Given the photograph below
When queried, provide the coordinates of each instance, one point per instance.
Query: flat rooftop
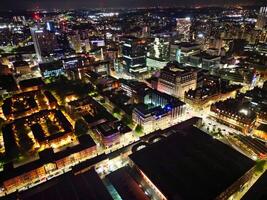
(190, 164)
(125, 185)
(68, 186)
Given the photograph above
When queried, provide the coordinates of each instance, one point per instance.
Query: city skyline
(87, 4)
(146, 101)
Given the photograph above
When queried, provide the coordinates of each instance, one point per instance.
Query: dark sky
(30, 4)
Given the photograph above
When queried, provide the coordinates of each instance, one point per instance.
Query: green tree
(2, 121)
(139, 129)
(24, 141)
(51, 127)
(116, 111)
(127, 120)
(260, 165)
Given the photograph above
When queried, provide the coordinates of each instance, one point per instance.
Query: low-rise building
(51, 69)
(158, 111)
(111, 133)
(21, 67)
(213, 89)
(189, 158)
(234, 113)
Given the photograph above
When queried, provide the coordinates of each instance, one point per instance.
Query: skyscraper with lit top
(183, 26)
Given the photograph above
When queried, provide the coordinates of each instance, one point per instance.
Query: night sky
(31, 4)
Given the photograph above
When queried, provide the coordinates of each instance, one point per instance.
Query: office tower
(182, 51)
(159, 49)
(158, 53)
(50, 26)
(44, 43)
(134, 55)
(262, 18)
(75, 42)
(183, 26)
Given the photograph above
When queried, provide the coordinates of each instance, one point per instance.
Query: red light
(36, 16)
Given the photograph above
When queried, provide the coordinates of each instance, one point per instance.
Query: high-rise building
(262, 18)
(158, 53)
(134, 55)
(75, 42)
(159, 49)
(183, 26)
(50, 26)
(182, 51)
(45, 43)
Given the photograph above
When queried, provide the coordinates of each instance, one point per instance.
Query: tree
(51, 127)
(24, 141)
(2, 121)
(116, 111)
(139, 129)
(81, 127)
(102, 100)
(127, 120)
(260, 165)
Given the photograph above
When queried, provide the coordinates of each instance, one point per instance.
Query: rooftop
(69, 186)
(126, 186)
(31, 83)
(190, 164)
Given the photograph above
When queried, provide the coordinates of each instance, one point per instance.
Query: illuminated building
(262, 18)
(50, 26)
(183, 26)
(256, 100)
(5, 70)
(49, 162)
(204, 60)
(85, 182)
(175, 80)
(182, 51)
(134, 55)
(126, 185)
(100, 68)
(52, 101)
(213, 89)
(51, 69)
(234, 113)
(133, 89)
(12, 107)
(157, 110)
(109, 133)
(31, 84)
(81, 106)
(44, 42)
(22, 67)
(75, 42)
(189, 164)
(261, 132)
(158, 53)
